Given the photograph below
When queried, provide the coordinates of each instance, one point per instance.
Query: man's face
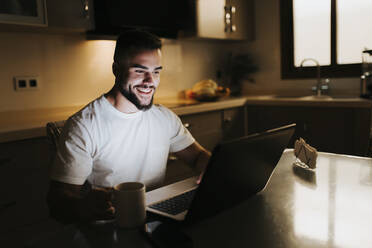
(143, 78)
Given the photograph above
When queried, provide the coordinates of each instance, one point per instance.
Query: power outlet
(26, 83)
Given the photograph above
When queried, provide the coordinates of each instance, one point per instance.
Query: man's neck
(120, 102)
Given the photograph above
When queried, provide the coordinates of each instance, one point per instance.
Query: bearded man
(121, 136)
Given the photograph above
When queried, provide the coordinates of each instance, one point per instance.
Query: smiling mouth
(144, 89)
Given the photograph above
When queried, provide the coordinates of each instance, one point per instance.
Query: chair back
(53, 132)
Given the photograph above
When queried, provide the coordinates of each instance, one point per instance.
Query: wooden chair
(53, 131)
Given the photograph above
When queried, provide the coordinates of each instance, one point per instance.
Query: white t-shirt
(106, 147)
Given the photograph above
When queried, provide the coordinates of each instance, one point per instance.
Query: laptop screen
(237, 170)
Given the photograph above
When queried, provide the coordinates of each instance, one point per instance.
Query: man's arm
(72, 203)
(196, 156)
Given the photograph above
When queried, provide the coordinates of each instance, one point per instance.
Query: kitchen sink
(313, 97)
(308, 97)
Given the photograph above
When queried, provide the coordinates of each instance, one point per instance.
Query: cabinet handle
(305, 127)
(229, 13)
(172, 158)
(227, 119)
(86, 8)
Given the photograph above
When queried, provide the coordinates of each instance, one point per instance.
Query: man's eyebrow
(145, 67)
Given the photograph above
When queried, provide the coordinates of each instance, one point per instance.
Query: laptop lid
(237, 170)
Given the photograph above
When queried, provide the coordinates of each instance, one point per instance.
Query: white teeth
(144, 90)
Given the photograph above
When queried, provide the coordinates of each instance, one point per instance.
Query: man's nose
(149, 77)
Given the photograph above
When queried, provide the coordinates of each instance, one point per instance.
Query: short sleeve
(73, 162)
(180, 137)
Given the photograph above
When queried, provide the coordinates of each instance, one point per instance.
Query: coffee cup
(130, 206)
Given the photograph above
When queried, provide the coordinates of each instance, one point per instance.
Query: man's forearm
(71, 203)
(64, 204)
(202, 160)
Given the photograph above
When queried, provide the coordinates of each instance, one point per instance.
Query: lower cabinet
(329, 129)
(208, 129)
(24, 182)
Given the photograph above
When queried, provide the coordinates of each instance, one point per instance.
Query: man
(121, 136)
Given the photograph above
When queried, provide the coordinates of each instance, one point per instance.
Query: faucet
(319, 80)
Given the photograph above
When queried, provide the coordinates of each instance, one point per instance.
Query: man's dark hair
(130, 42)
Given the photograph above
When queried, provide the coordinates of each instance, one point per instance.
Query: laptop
(237, 170)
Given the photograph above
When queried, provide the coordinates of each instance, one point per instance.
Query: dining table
(328, 206)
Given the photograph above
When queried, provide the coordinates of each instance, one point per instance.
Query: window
(333, 32)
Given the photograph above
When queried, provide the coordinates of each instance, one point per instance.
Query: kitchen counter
(24, 124)
(342, 102)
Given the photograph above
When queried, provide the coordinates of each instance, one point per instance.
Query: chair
(370, 144)
(53, 132)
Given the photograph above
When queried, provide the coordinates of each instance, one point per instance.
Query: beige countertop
(24, 124)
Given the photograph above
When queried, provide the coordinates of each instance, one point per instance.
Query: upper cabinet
(163, 17)
(103, 19)
(216, 19)
(70, 14)
(32, 12)
(223, 19)
(47, 15)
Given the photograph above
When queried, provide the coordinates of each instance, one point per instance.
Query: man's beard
(134, 99)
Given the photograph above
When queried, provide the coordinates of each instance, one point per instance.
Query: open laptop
(237, 170)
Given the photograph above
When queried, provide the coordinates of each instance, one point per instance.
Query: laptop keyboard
(175, 205)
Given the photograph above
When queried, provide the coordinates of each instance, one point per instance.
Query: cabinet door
(71, 14)
(225, 19)
(205, 127)
(210, 16)
(233, 123)
(242, 20)
(261, 118)
(208, 128)
(23, 12)
(327, 129)
(24, 182)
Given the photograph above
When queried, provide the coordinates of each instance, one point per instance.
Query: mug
(130, 204)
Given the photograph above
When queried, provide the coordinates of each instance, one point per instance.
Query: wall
(71, 70)
(74, 71)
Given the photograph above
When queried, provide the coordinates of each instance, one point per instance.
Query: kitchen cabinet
(24, 183)
(343, 130)
(53, 16)
(70, 15)
(216, 19)
(223, 19)
(208, 128)
(23, 12)
(163, 18)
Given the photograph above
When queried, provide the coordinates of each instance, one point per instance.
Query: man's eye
(139, 71)
(156, 72)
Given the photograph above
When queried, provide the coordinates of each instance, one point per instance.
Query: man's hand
(70, 203)
(200, 177)
(96, 205)
(196, 156)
